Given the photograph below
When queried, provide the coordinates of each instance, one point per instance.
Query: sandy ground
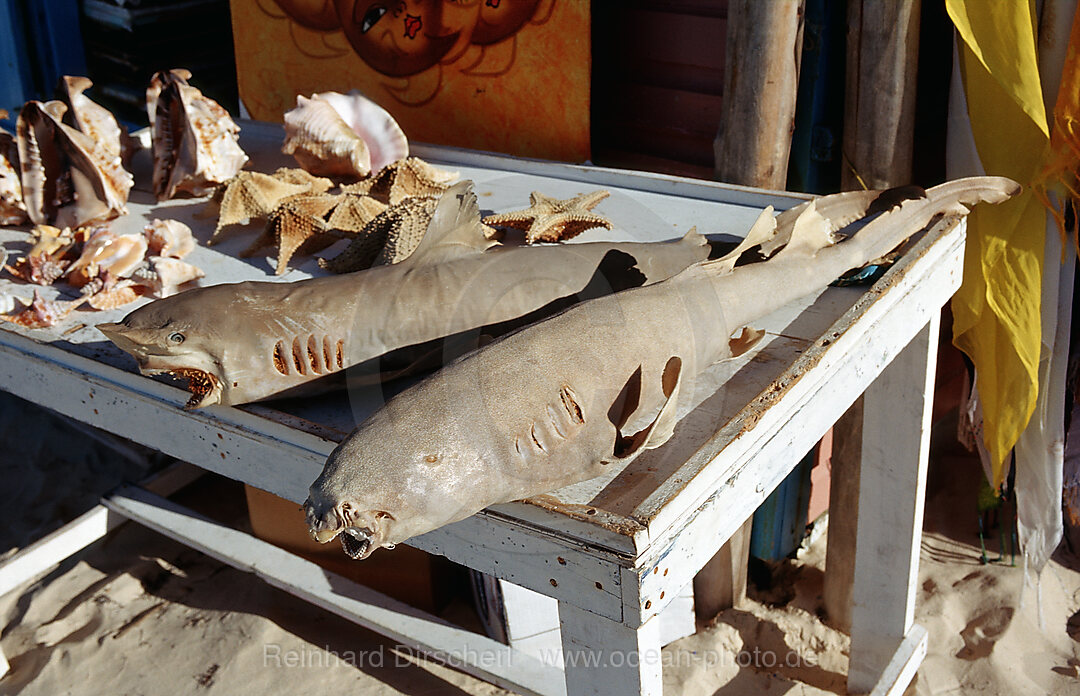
(140, 614)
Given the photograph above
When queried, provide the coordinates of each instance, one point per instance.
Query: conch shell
(162, 275)
(169, 238)
(195, 142)
(333, 134)
(105, 251)
(12, 209)
(67, 178)
(93, 119)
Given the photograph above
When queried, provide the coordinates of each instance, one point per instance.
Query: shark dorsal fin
(762, 230)
(455, 229)
(811, 232)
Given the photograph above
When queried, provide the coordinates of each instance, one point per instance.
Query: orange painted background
(505, 75)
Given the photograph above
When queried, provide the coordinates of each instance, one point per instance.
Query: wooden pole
(761, 80)
(879, 126)
(879, 108)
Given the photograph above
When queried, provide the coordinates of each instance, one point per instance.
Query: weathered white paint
(895, 451)
(900, 671)
(603, 657)
(470, 652)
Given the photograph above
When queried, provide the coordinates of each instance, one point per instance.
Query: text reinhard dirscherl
(311, 657)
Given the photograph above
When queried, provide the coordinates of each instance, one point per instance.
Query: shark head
(171, 336)
(380, 486)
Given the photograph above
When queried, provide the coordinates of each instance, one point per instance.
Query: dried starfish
(399, 180)
(354, 212)
(389, 238)
(297, 222)
(251, 196)
(549, 219)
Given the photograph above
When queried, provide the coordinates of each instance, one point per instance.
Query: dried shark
(516, 418)
(255, 340)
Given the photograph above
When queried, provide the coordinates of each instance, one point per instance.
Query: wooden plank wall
(658, 74)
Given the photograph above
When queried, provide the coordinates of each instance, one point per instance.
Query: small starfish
(297, 222)
(549, 219)
(254, 195)
(407, 177)
(389, 238)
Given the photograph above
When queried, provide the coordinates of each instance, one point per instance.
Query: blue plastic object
(40, 41)
(779, 524)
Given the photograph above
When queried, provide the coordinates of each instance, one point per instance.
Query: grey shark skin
(243, 342)
(592, 387)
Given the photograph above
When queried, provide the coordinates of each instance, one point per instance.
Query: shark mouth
(356, 543)
(202, 385)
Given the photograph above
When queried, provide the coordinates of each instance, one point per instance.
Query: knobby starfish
(389, 238)
(254, 195)
(399, 180)
(300, 221)
(550, 219)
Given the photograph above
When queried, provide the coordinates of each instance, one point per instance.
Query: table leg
(601, 656)
(895, 447)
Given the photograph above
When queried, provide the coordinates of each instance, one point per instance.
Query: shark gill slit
(327, 352)
(340, 350)
(280, 363)
(298, 355)
(313, 354)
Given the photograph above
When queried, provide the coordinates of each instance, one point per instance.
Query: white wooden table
(615, 551)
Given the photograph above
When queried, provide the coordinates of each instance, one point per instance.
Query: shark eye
(176, 337)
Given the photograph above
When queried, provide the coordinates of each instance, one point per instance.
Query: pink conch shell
(163, 275)
(12, 209)
(42, 313)
(105, 251)
(67, 178)
(169, 238)
(91, 118)
(342, 134)
(195, 142)
(385, 140)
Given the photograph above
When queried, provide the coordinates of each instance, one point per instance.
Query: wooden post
(761, 80)
(879, 108)
(843, 513)
(895, 451)
(879, 126)
(722, 582)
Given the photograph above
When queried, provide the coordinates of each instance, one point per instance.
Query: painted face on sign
(398, 37)
(313, 14)
(500, 19)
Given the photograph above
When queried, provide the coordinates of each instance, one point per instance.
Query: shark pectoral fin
(747, 339)
(455, 228)
(633, 438)
(761, 232)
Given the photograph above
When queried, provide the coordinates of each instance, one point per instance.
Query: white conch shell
(162, 275)
(169, 238)
(67, 178)
(342, 134)
(91, 118)
(105, 251)
(12, 209)
(195, 142)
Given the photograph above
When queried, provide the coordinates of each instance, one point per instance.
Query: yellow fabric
(996, 311)
(1063, 166)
